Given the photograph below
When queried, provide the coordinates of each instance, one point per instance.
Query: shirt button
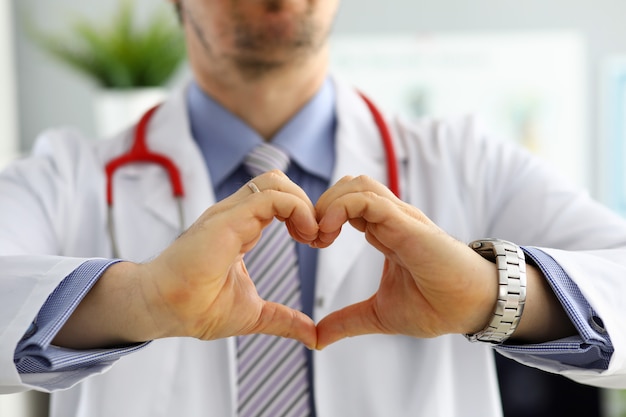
(597, 324)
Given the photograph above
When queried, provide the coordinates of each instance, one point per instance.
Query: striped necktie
(272, 371)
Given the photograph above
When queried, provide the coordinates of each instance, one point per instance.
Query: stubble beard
(266, 48)
(260, 48)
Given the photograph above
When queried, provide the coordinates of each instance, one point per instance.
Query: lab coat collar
(169, 133)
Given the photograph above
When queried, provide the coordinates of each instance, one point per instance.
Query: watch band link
(510, 261)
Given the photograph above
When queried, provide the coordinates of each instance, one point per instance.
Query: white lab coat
(53, 204)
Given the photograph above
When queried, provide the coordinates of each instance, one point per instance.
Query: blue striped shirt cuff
(592, 348)
(36, 354)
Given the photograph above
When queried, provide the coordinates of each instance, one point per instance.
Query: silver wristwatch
(509, 260)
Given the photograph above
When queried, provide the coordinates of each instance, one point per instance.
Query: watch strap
(510, 262)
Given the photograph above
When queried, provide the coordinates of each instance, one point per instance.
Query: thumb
(353, 320)
(279, 320)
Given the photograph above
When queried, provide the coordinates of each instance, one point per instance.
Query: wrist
(156, 318)
(544, 317)
(110, 314)
(124, 299)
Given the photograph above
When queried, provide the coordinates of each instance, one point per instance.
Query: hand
(199, 286)
(431, 284)
(200, 283)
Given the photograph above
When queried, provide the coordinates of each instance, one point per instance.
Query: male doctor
(153, 332)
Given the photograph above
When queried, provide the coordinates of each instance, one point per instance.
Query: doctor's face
(255, 36)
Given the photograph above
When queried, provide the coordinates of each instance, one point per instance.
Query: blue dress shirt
(309, 140)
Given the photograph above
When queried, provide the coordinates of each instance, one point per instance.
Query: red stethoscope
(140, 153)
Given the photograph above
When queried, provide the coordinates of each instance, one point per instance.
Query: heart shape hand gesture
(203, 289)
(431, 284)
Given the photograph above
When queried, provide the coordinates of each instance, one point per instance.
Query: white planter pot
(116, 110)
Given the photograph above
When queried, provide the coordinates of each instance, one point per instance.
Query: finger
(254, 213)
(300, 235)
(361, 209)
(361, 187)
(274, 180)
(297, 214)
(280, 320)
(360, 206)
(348, 185)
(353, 320)
(278, 181)
(326, 239)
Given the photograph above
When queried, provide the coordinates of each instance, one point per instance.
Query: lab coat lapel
(169, 133)
(359, 152)
(146, 214)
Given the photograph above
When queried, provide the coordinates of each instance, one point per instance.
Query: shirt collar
(225, 139)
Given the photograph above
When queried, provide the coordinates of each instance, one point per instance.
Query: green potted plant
(130, 63)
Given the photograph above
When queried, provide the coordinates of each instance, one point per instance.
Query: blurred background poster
(524, 86)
